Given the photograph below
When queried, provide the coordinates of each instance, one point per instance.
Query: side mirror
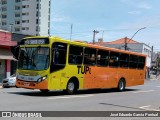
(15, 51)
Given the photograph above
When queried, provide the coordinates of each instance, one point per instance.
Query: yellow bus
(52, 63)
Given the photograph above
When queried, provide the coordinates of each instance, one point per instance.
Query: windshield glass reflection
(34, 58)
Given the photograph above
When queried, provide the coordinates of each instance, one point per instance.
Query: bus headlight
(42, 78)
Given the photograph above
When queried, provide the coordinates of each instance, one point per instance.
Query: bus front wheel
(121, 85)
(71, 87)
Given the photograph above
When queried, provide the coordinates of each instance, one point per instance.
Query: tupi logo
(84, 69)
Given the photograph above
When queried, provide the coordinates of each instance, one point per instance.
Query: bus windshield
(33, 58)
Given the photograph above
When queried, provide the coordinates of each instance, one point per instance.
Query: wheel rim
(121, 85)
(71, 86)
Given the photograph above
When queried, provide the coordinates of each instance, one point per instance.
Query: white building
(30, 17)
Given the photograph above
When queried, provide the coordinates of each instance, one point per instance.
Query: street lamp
(137, 32)
(94, 34)
(126, 43)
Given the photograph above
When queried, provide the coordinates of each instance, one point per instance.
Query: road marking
(147, 108)
(144, 91)
(74, 96)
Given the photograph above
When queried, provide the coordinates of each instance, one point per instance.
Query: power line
(104, 30)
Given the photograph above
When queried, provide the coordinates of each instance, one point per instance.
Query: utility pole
(71, 31)
(94, 35)
(157, 65)
(102, 34)
(151, 55)
(125, 44)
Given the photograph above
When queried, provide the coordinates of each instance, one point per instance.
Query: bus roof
(85, 44)
(115, 49)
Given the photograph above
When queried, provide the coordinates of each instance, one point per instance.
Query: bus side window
(114, 59)
(102, 58)
(75, 54)
(133, 61)
(59, 52)
(90, 56)
(141, 62)
(124, 60)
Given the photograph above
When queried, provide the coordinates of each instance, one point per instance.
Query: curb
(154, 79)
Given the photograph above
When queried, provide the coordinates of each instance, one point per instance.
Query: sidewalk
(153, 77)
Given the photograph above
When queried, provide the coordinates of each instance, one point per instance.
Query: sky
(114, 19)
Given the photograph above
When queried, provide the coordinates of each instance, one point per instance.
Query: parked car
(9, 82)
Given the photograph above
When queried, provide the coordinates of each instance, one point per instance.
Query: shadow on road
(62, 93)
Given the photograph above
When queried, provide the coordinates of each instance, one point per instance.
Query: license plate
(26, 84)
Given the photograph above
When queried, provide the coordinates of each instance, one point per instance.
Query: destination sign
(34, 41)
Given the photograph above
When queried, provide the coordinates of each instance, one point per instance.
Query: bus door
(58, 63)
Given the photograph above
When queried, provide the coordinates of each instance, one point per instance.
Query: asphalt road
(139, 98)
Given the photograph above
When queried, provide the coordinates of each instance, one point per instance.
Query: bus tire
(71, 87)
(121, 85)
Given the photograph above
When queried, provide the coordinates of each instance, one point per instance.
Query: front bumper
(8, 84)
(32, 85)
